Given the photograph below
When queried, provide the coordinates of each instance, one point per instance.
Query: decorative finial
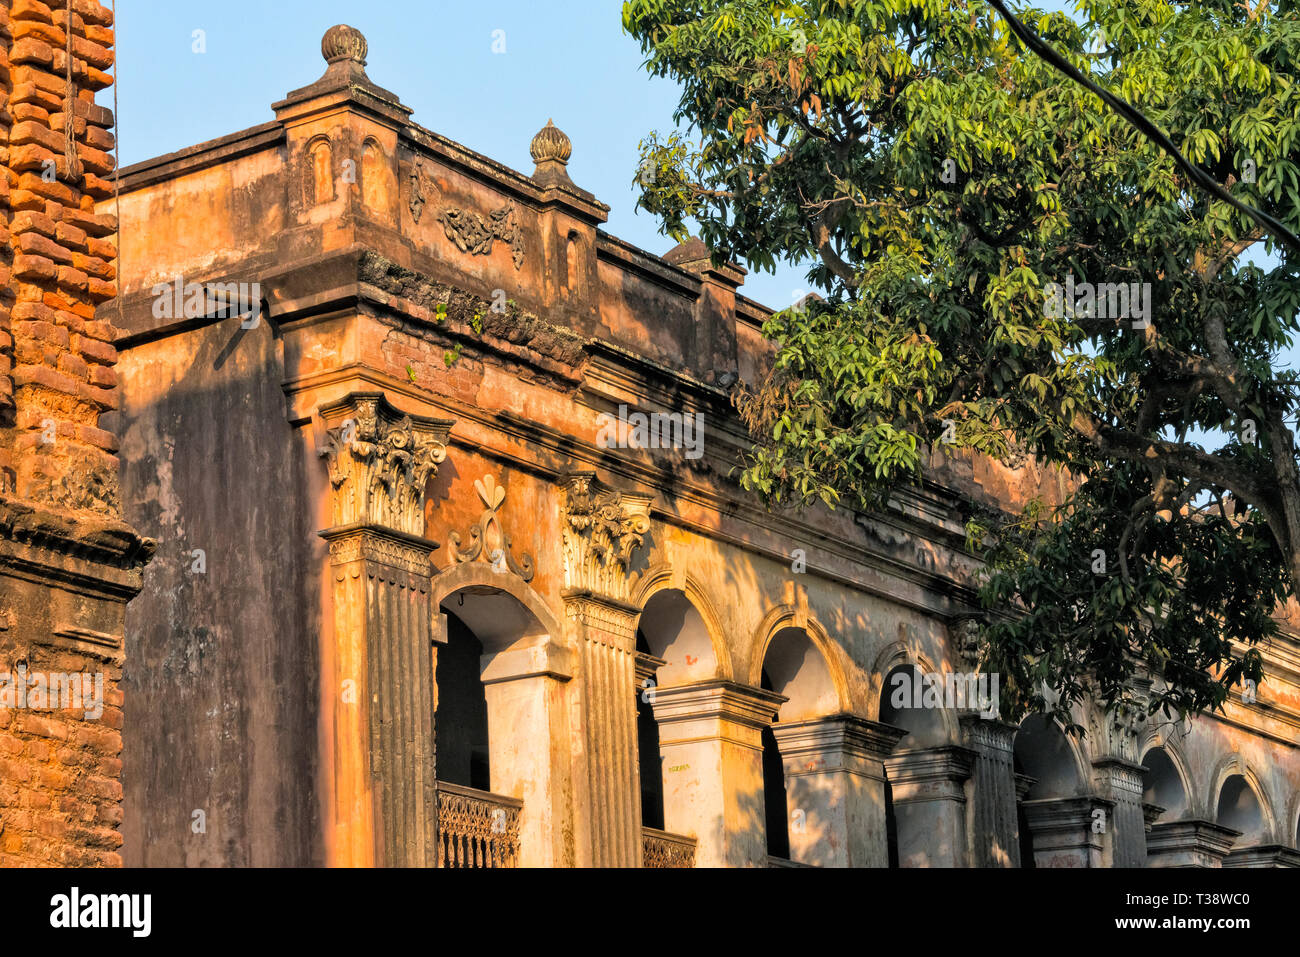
(550, 144)
(343, 42)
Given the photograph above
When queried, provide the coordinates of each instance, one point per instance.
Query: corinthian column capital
(602, 528)
(379, 461)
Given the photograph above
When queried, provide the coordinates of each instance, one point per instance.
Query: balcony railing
(660, 849)
(477, 829)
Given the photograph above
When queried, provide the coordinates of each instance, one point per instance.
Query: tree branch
(1144, 126)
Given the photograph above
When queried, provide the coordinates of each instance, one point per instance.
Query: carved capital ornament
(602, 528)
(379, 461)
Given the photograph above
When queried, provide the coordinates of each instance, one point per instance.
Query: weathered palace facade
(419, 598)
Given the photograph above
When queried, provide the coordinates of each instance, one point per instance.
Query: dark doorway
(461, 719)
(774, 799)
(649, 758)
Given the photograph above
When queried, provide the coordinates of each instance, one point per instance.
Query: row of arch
(794, 657)
(1234, 795)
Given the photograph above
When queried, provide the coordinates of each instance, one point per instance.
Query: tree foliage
(948, 184)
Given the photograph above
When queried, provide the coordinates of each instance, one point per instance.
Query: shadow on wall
(220, 745)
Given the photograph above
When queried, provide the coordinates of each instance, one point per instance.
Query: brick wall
(60, 767)
(6, 262)
(63, 255)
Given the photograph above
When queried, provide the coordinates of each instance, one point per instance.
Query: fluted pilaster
(379, 697)
(994, 834)
(602, 529)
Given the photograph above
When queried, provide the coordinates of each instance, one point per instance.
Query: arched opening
(1239, 808)
(649, 758)
(674, 631)
(498, 679)
(675, 658)
(1169, 840)
(673, 649)
(1045, 761)
(461, 716)
(902, 704)
(1043, 753)
(1163, 786)
(775, 806)
(799, 671)
(798, 794)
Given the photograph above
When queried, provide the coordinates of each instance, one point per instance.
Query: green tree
(951, 189)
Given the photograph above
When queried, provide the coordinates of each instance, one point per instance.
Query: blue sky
(567, 60)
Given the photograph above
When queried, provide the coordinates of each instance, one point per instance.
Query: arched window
(374, 193)
(1239, 808)
(1043, 755)
(462, 713)
(320, 178)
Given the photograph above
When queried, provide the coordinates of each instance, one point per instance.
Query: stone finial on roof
(344, 49)
(342, 42)
(550, 144)
(694, 256)
(551, 150)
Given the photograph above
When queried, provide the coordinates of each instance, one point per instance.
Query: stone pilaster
(994, 832)
(1117, 777)
(835, 775)
(602, 528)
(710, 737)
(606, 636)
(1121, 783)
(1189, 843)
(381, 632)
(1064, 831)
(929, 793)
(1263, 855)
